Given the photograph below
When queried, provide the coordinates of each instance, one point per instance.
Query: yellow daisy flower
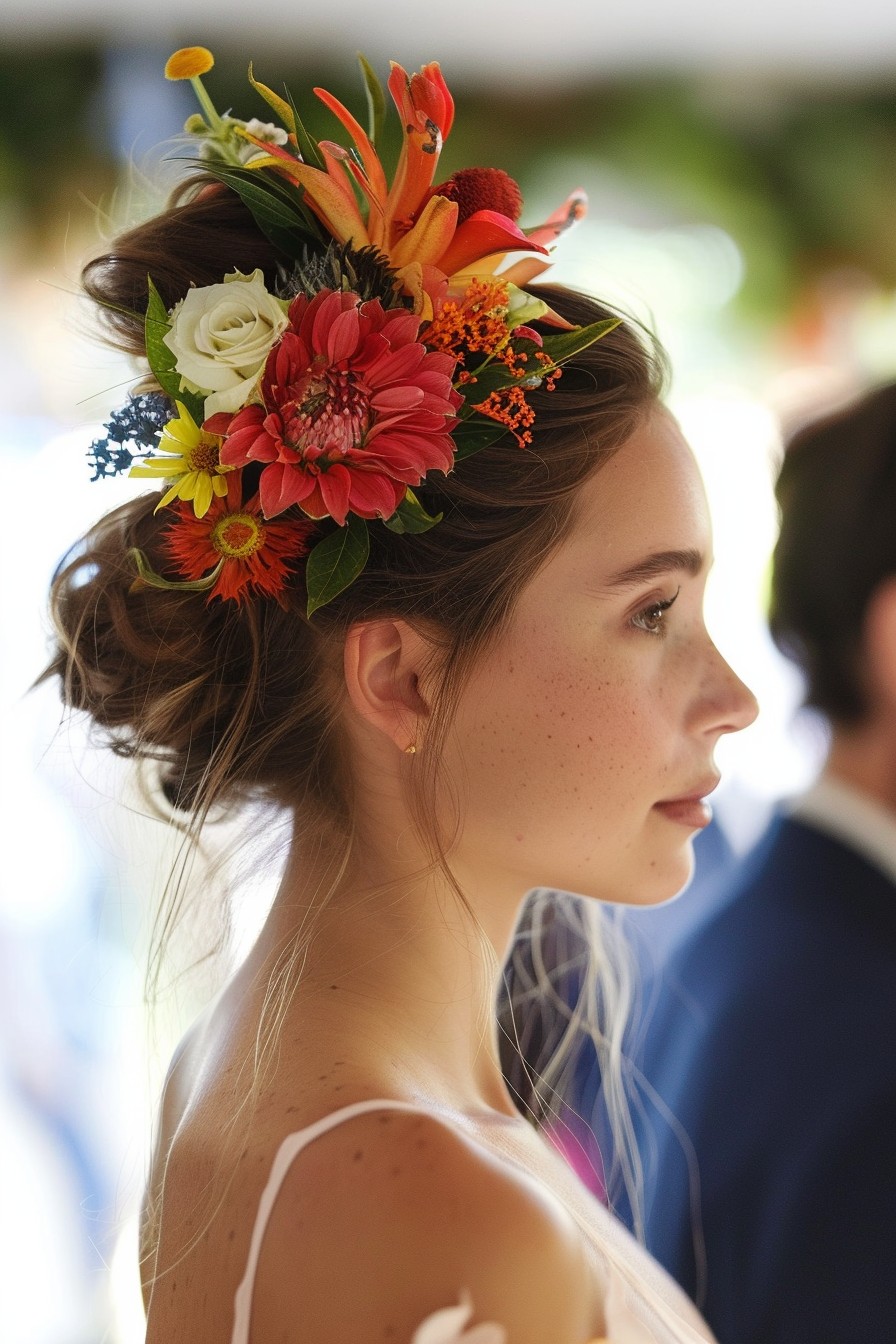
(194, 468)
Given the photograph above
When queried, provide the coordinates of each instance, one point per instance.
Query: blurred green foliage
(52, 134)
(801, 177)
(799, 174)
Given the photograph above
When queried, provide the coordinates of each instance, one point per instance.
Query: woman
(464, 674)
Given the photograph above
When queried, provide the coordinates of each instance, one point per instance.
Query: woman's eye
(652, 618)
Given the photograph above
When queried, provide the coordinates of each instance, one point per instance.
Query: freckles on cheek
(560, 724)
(516, 726)
(609, 743)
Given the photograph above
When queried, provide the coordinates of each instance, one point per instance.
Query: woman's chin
(652, 882)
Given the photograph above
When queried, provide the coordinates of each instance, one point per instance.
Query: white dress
(642, 1305)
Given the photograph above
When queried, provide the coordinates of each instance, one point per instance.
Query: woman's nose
(731, 705)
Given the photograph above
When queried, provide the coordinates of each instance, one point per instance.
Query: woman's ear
(385, 663)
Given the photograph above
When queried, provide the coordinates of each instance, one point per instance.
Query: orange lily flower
(417, 228)
(426, 109)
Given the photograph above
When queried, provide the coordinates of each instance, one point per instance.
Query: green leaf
(148, 578)
(568, 343)
(276, 206)
(161, 359)
(283, 109)
(493, 378)
(336, 562)
(475, 432)
(269, 208)
(308, 146)
(410, 516)
(376, 99)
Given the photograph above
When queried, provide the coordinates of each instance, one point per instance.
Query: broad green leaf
(270, 209)
(376, 99)
(150, 579)
(493, 378)
(156, 328)
(568, 343)
(410, 516)
(161, 359)
(475, 432)
(276, 206)
(280, 105)
(336, 562)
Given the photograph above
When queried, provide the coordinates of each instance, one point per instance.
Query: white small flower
(226, 142)
(221, 336)
(267, 131)
(262, 130)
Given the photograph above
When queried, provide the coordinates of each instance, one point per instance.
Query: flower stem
(208, 107)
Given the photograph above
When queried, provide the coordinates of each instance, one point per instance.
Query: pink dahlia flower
(355, 409)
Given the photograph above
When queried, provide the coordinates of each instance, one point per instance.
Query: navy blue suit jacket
(771, 1038)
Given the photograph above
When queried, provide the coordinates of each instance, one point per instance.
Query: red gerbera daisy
(355, 409)
(252, 553)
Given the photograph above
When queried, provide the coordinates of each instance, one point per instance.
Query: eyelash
(650, 619)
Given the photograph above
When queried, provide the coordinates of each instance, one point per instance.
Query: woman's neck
(392, 970)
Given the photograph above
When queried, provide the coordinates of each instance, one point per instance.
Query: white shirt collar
(839, 810)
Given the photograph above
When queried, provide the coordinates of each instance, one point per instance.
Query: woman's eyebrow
(661, 562)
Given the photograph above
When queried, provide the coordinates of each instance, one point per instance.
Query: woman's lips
(692, 809)
(695, 813)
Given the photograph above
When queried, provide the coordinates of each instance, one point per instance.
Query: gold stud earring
(411, 750)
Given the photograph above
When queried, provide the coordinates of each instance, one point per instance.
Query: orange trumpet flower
(419, 229)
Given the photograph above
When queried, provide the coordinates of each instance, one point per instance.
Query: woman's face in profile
(584, 739)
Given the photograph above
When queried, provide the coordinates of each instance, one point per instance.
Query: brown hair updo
(244, 701)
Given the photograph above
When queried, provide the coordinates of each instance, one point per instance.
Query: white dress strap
(288, 1151)
(638, 1309)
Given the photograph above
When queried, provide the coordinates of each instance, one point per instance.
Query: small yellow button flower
(189, 62)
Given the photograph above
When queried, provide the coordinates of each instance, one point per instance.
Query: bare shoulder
(172, 1104)
(390, 1216)
(177, 1087)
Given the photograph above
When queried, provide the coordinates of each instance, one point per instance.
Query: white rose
(221, 336)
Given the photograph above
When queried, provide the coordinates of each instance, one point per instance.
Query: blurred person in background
(767, 1094)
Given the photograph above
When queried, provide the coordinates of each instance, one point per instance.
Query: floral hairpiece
(396, 342)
